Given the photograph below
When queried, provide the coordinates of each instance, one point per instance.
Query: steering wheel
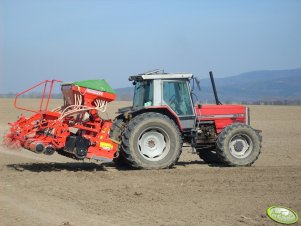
(172, 99)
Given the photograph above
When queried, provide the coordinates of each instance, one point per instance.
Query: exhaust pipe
(214, 89)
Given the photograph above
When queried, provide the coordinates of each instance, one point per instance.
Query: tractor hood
(222, 115)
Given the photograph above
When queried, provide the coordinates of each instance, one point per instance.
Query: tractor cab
(171, 92)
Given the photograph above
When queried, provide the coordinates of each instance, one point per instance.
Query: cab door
(176, 94)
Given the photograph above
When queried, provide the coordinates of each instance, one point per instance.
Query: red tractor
(148, 135)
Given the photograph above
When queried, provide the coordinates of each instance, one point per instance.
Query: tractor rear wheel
(151, 141)
(115, 134)
(239, 145)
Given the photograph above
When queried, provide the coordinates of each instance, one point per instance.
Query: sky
(76, 40)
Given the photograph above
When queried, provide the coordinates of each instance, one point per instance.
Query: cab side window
(176, 96)
(143, 94)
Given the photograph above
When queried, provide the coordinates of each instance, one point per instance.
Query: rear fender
(165, 110)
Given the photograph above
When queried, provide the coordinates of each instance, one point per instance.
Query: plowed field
(54, 190)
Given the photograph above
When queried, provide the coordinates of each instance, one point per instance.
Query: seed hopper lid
(100, 85)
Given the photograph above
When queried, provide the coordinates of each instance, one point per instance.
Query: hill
(273, 85)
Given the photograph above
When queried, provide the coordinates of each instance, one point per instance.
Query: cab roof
(159, 74)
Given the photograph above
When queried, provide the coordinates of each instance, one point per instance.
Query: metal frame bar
(45, 82)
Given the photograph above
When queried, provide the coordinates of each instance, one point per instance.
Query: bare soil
(54, 190)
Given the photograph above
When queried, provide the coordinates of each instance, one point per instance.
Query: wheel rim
(154, 144)
(240, 146)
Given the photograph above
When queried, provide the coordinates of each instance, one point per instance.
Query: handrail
(45, 82)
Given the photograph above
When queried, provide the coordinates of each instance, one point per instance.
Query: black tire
(239, 145)
(151, 141)
(115, 134)
(209, 156)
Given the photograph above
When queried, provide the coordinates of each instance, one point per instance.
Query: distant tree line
(32, 95)
(128, 97)
(266, 102)
(123, 97)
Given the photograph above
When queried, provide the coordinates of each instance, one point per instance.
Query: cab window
(143, 96)
(176, 95)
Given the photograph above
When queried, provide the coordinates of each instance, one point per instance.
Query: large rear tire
(151, 141)
(115, 134)
(239, 145)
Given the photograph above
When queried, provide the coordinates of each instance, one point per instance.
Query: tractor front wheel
(151, 141)
(238, 145)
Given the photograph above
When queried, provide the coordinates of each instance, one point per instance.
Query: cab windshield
(143, 96)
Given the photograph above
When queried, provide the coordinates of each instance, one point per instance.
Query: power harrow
(75, 129)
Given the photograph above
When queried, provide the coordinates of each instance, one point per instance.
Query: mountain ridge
(261, 85)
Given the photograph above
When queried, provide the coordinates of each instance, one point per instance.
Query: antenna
(151, 72)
